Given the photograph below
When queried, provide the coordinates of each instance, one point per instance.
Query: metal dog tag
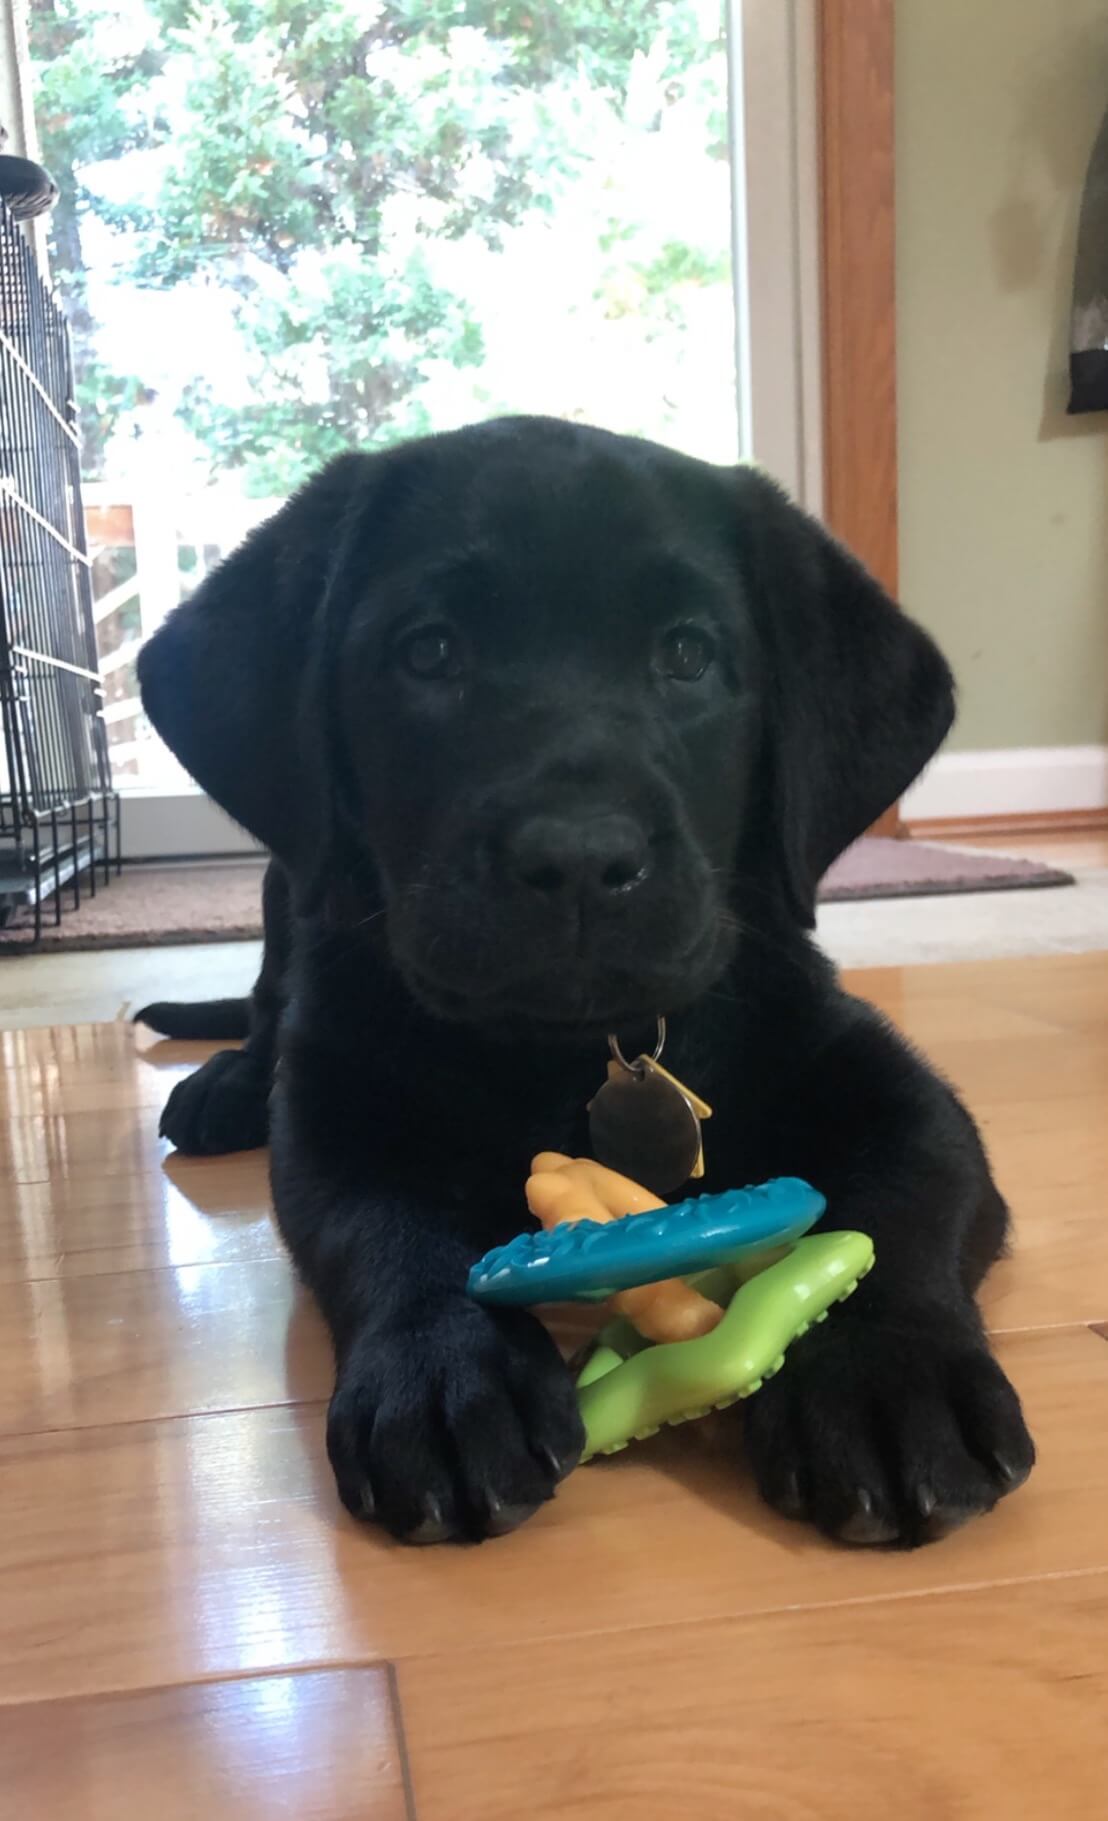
(645, 1123)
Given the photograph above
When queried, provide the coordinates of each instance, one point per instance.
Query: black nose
(595, 858)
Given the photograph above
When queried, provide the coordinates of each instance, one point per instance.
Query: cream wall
(1003, 499)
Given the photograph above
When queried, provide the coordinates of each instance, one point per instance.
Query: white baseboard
(156, 826)
(1022, 780)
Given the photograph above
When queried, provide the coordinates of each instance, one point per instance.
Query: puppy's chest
(505, 1111)
(497, 1118)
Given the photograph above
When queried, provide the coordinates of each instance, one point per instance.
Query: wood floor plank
(145, 1344)
(85, 1101)
(118, 1142)
(87, 1068)
(308, 1747)
(185, 1211)
(1058, 1268)
(1027, 1045)
(985, 1706)
(161, 1552)
(995, 1073)
(1070, 990)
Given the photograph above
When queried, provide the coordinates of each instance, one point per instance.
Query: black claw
(504, 1518)
(789, 1501)
(1010, 1472)
(434, 1527)
(557, 1466)
(865, 1525)
(946, 1519)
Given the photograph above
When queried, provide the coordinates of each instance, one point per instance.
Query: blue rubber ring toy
(590, 1260)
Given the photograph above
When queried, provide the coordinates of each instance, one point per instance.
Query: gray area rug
(152, 906)
(881, 868)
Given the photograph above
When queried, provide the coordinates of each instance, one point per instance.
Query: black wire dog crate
(59, 816)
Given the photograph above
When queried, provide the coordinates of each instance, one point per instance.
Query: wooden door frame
(857, 178)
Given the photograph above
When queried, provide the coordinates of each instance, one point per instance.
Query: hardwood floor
(189, 1624)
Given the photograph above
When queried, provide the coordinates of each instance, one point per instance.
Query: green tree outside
(346, 179)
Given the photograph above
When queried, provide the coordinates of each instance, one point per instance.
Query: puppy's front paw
(887, 1435)
(221, 1107)
(457, 1429)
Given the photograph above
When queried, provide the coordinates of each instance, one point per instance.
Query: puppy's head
(563, 696)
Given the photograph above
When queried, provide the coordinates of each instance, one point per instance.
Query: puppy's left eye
(430, 653)
(685, 654)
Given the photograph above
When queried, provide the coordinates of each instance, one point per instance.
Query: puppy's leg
(448, 1420)
(891, 1422)
(224, 1105)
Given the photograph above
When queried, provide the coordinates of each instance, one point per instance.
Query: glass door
(288, 229)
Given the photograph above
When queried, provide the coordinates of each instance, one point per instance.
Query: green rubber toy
(628, 1388)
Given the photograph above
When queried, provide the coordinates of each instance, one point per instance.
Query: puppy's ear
(225, 681)
(859, 697)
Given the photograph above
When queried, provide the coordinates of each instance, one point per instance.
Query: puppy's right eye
(430, 653)
(685, 653)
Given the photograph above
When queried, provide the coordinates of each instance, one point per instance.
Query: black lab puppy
(550, 732)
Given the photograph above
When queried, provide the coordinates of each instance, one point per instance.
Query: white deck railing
(158, 526)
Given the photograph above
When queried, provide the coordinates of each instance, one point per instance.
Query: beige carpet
(154, 905)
